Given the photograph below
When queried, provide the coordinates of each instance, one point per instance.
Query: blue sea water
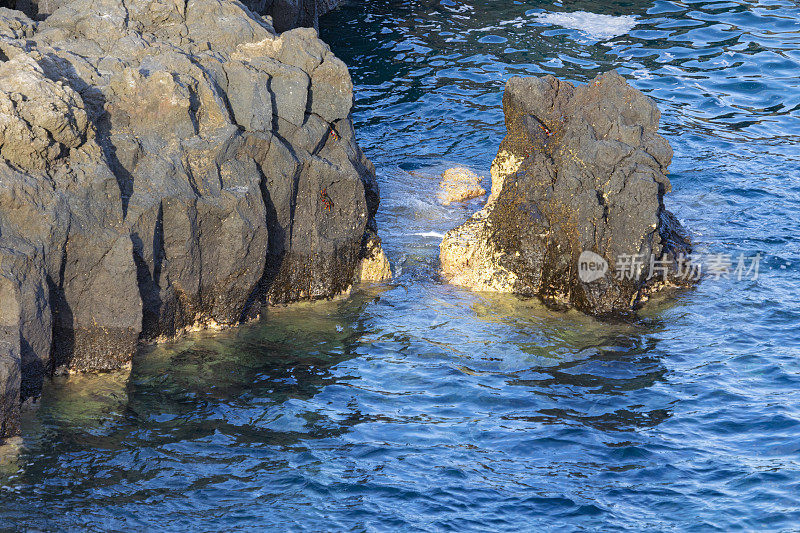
(423, 407)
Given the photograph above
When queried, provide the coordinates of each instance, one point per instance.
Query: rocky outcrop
(578, 181)
(165, 165)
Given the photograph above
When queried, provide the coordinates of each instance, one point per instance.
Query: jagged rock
(164, 165)
(459, 184)
(581, 169)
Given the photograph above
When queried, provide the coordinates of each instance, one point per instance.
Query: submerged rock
(164, 165)
(460, 184)
(578, 184)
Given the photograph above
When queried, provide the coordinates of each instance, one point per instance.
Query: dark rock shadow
(57, 68)
(150, 282)
(276, 248)
(63, 344)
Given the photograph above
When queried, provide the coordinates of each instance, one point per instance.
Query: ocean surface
(418, 406)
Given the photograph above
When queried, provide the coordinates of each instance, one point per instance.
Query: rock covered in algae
(581, 171)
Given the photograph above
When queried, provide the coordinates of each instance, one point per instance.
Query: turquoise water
(419, 406)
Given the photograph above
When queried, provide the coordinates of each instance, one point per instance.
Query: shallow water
(419, 406)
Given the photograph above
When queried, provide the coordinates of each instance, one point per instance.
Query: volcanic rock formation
(165, 165)
(582, 170)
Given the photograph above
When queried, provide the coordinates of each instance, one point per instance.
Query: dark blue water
(419, 406)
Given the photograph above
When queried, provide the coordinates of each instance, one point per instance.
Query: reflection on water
(420, 406)
(255, 381)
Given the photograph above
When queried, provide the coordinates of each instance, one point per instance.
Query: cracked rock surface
(165, 164)
(581, 169)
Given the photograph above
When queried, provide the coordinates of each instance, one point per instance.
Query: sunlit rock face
(581, 169)
(163, 165)
(374, 267)
(459, 184)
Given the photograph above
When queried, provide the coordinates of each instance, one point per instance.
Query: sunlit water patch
(599, 27)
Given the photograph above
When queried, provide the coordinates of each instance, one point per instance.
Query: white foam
(596, 26)
(430, 234)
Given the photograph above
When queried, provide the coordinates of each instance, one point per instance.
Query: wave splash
(596, 26)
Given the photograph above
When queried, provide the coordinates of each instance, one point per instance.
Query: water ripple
(419, 406)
